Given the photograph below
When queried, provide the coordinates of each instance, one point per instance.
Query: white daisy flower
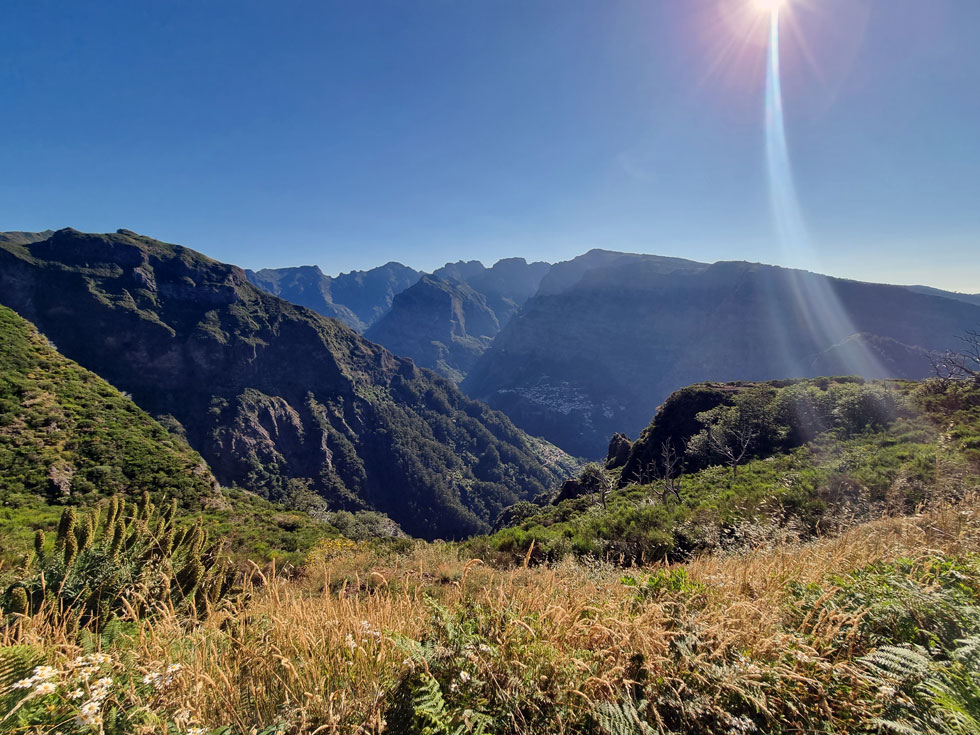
(43, 673)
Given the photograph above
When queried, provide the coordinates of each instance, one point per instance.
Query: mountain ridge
(349, 424)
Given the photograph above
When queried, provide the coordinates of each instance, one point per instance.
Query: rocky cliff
(275, 397)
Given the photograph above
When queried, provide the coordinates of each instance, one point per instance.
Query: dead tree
(732, 440)
(669, 472)
(962, 365)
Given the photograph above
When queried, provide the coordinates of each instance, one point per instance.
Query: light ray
(818, 306)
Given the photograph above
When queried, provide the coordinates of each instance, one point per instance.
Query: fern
(945, 691)
(624, 718)
(895, 662)
(429, 707)
(16, 663)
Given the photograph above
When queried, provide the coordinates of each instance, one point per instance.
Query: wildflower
(464, 677)
(174, 668)
(24, 683)
(90, 708)
(77, 694)
(89, 720)
(454, 687)
(151, 678)
(103, 683)
(43, 673)
(45, 687)
(351, 643)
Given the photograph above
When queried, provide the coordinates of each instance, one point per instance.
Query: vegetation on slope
(866, 624)
(69, 439)
(812, 455)
(798, 638)
(277, 399)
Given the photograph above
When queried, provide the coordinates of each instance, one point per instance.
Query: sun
(769, 6)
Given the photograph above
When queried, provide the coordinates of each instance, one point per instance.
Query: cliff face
(441, 325)
(447, 320)
(358, 298)
(443, 321)
(506, 286)
(275, 397)
(599, 356)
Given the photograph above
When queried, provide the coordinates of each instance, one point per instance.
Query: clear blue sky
(351, 132)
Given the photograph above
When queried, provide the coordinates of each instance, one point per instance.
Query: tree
(594, 478)
(729, 433)
(669, 471)
(962, 365)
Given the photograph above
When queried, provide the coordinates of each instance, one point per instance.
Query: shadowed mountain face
(447, 320)
(441, 325)
(970, 298)
(506, 286)
(358, 298)
(444, 321)
(595, 356)
(275, 397)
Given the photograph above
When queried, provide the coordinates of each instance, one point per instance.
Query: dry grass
(338, 650)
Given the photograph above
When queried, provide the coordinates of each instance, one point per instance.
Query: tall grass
(424, 641)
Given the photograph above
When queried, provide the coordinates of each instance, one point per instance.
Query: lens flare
(769, 6)
(818, 305)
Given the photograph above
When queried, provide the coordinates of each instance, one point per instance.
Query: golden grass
(329, 651)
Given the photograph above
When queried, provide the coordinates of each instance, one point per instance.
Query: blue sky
(352, 132)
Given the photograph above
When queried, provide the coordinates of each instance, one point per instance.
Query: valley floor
(876, 628)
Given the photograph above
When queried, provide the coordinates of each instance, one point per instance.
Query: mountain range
(275, 397)
(578, 350)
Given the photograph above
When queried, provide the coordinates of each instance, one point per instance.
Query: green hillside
(276, 398)
(68, 438)
(725, 466)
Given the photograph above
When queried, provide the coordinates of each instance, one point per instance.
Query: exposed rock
(619, 451)
(571, 489)
(60, 477)
(441, 325)
(276, 398)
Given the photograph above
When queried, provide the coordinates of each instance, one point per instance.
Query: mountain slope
(275, 397)
(506, 285)
(812, 456)
(970, 298)
(441, 325)
(598, 357)
(304, 286)
(358, 298)
(69, 438)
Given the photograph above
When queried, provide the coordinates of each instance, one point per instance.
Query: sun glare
(769, 6)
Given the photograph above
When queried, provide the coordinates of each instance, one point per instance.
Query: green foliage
(818, 454)
(624, 717)
(674, 582)
(928, 693)
(67, 437)
(122, 557)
